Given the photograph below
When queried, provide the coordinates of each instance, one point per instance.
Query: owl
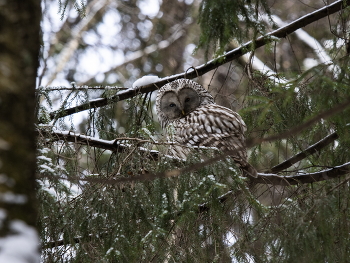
(197, 120)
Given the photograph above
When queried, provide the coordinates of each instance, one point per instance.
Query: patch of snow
(22, 246)
(145, 80)
(45, 168)
(44, 158)
(310, 63)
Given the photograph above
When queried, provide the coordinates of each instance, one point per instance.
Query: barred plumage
(198, 121)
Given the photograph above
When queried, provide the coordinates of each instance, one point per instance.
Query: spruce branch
(297, 129)
(262, 178)
(112, 145)
(306, 178)
(272, 179)
(302, 155)
(282, 32)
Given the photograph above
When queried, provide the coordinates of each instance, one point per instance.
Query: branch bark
(212, 64)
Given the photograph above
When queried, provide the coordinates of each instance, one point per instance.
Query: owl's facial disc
(170, 105)
(189, 100)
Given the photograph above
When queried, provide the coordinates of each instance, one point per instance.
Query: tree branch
(297, 129)
(310, 150)
(112, 145)
(212, 64)
(323, 175)
(263, 178)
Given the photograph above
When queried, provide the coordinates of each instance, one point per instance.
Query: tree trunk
(19, 52)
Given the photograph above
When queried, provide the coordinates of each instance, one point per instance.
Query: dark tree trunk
(19, 51)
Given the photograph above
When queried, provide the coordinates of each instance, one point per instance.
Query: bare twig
(200, 70)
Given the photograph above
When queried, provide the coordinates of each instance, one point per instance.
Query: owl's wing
(213, 126)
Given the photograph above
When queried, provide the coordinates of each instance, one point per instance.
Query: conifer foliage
(108, 191)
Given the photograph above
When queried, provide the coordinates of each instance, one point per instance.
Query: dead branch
(212, 64)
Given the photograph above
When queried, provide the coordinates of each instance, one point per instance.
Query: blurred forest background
(107, 193)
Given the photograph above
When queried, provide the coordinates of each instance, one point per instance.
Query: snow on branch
(264, 178)
(306, 178)
(112, 145)
(282, 32)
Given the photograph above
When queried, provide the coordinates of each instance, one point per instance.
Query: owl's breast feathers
(213, 126)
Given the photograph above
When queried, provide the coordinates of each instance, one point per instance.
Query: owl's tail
(249, 170)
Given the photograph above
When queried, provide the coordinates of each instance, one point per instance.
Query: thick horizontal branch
(323, 175)
(112, 145)
(302, 155)
(201, 70)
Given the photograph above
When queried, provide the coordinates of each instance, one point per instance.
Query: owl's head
(179, 98)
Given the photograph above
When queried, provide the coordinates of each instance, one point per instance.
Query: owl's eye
(187, 99)
(172, 105)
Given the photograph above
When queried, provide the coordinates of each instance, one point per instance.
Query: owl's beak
(183, 112)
